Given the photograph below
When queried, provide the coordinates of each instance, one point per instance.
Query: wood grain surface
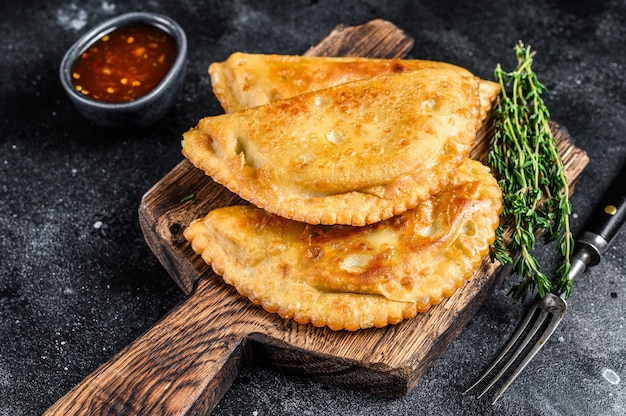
(187, 361)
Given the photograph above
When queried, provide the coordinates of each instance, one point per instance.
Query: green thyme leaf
(188, 198)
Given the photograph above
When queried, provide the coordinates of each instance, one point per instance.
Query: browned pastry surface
(247, 80)
(348, 277)
(355, 153)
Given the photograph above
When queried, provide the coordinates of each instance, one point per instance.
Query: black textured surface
(78, 283)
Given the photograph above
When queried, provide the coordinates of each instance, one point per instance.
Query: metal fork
(546, 313)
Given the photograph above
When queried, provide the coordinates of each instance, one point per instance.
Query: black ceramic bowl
(145, 110)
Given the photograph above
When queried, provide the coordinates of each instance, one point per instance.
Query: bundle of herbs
(525, 159)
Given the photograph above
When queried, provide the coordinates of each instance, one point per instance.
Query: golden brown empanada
(348, 277)
(355, 154)
(248, 80)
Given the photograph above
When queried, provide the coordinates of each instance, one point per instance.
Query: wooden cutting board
(187, 361)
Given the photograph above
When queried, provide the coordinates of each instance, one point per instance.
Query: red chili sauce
(124, 64)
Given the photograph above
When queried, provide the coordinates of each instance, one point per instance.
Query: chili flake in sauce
(124, 64)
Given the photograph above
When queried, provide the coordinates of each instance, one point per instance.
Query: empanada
(247, 80)
(348, 277)
(354, 154)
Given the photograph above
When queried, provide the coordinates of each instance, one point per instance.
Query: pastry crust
(247, 80)
(353, 154)
(348, 277)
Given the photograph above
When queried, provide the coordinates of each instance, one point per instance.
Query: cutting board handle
(180, 366)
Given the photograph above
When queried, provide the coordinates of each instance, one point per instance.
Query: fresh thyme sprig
(530, 172)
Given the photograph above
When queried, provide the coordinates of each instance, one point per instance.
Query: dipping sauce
(124, 64)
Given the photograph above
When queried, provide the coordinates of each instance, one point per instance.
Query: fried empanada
(348, 277)
(354, 154)
(248, 80)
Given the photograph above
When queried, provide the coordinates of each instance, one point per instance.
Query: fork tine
(531, 333)
(554, 323)
(520, 329)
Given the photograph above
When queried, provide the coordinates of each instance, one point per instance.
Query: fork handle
(606, 220)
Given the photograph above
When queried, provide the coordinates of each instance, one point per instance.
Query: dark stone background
(72, 294)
